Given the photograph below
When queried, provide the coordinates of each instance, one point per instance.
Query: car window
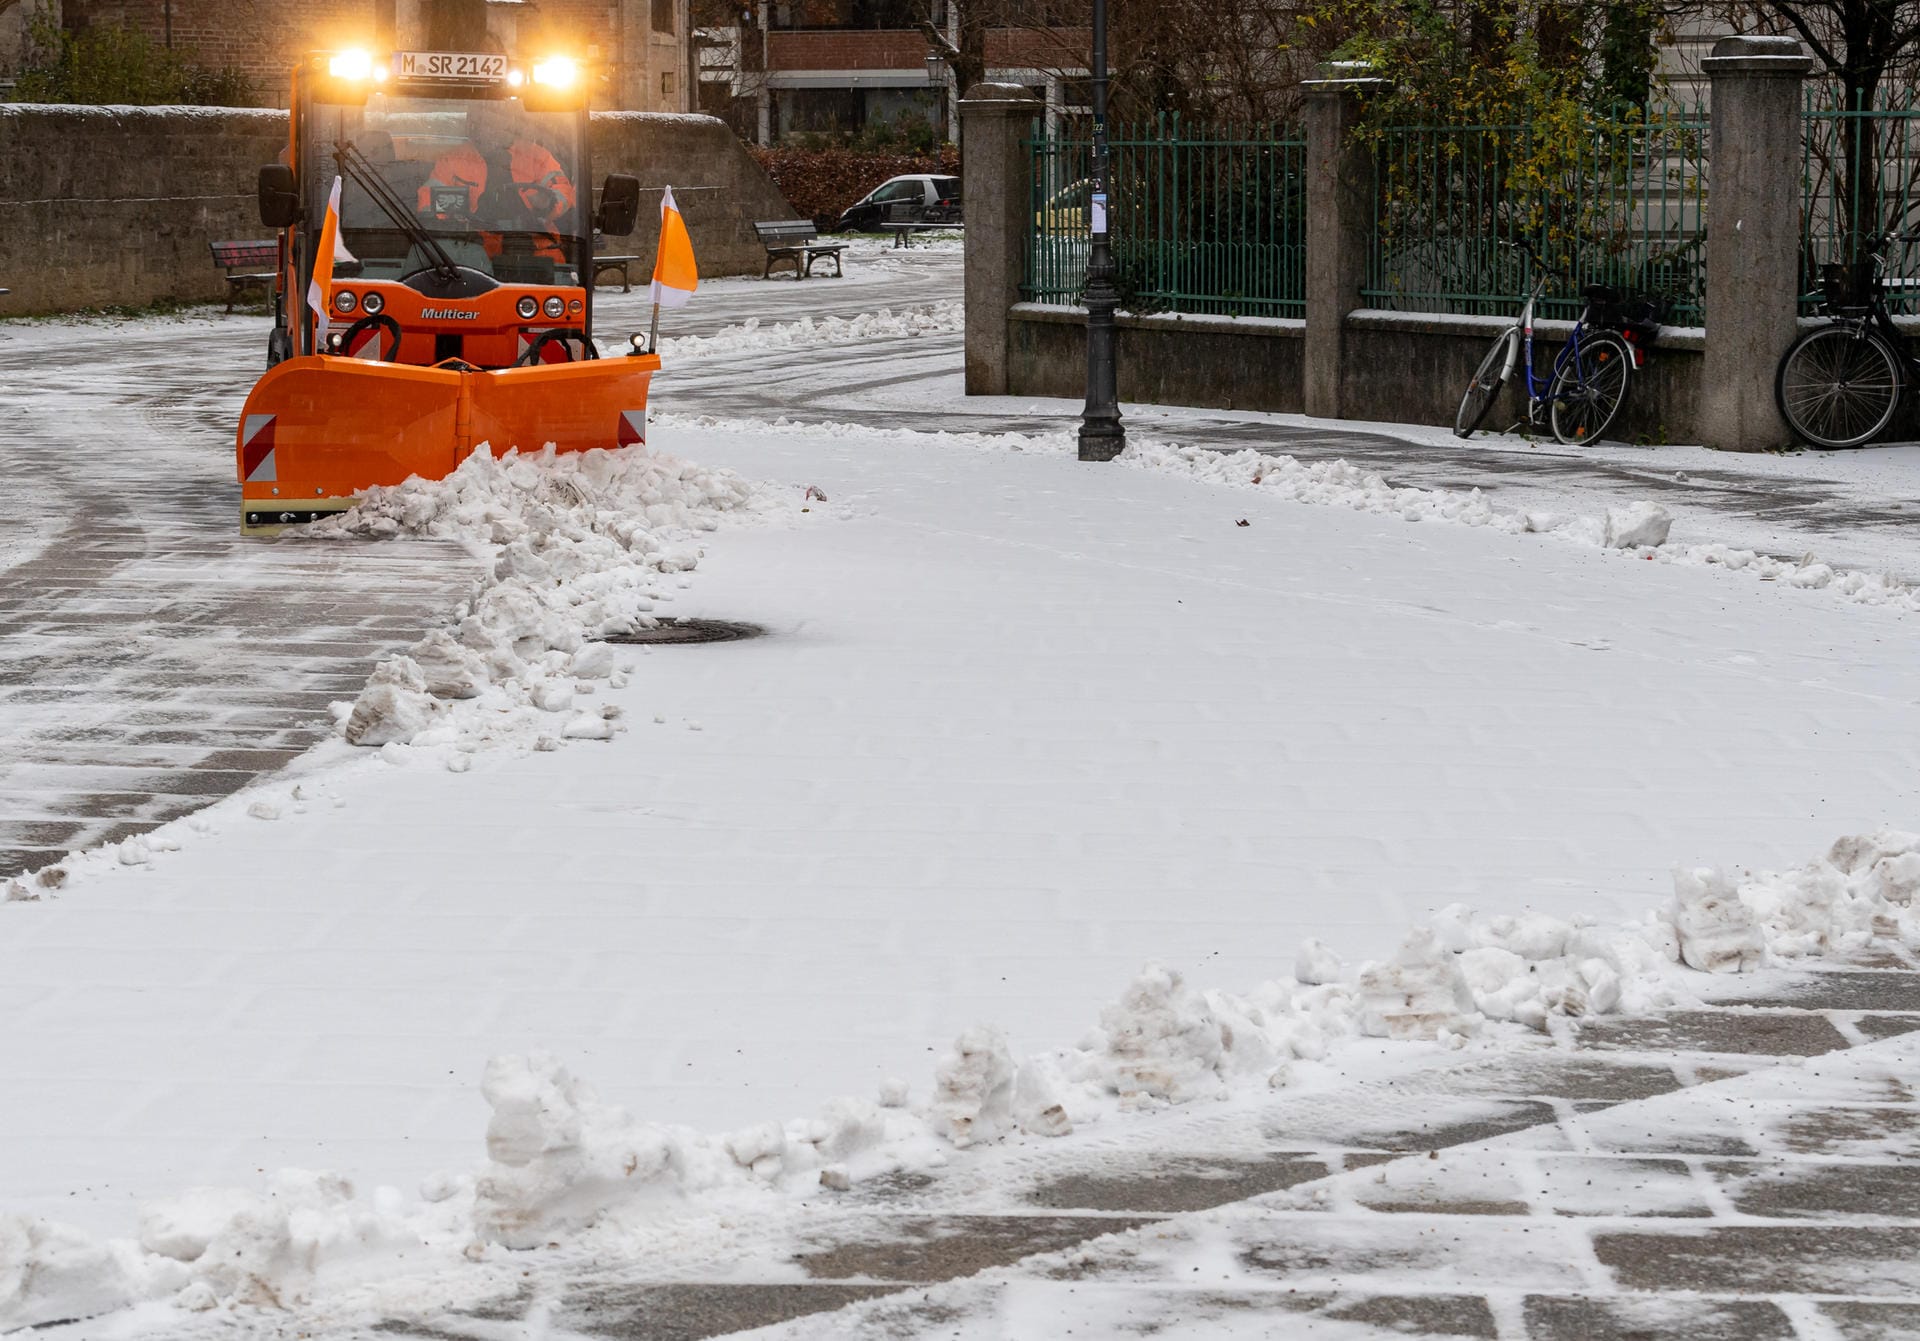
(948, 187)
(897, 191)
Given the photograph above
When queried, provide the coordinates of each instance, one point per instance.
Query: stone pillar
(995, 121)
(1753, 237)
(1339, 225)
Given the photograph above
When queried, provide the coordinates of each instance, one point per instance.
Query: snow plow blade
(318, 429)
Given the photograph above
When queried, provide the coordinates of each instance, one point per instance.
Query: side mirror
(619, 205)
(279, 196)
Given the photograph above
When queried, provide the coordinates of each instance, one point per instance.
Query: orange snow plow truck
(436, 230)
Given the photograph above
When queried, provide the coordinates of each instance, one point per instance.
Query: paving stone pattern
(139, 683)
(1708, 1174)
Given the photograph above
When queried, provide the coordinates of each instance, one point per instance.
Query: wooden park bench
(247, 258)
(904, 219)
(795, 240)
(603, 264)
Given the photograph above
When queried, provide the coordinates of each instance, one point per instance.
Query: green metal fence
(1208, 219)
(1860, 178)
(1620, 201)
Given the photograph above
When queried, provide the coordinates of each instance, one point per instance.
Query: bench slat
(230, 254)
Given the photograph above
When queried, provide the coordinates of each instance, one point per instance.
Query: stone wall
(1234, 363)
(720, 190)
(1402, 367)
(103, 206)
(116, 205)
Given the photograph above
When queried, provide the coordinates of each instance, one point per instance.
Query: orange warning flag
(331, 249)
(675, 276)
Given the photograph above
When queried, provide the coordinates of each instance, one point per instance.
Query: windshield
(491, 181)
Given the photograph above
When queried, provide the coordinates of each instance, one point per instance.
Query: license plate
(469, 67)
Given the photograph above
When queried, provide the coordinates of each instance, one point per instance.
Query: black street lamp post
(1101, 435)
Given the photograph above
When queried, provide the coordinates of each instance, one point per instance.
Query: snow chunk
(561, 1157)
(181, 1227)
(1037, 1104)
(448, 669)
(1637, 525)
(53, 1273)
(1316, 964)
(592, 662)
(1163, 1041)
(1889, 862)
(394, 706)
(973, 1088)
(1417, 994)
(1717, 931)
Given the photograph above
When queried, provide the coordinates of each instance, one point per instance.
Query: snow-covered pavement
(1018, 726)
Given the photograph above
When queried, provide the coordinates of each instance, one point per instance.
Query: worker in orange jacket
(502, 179)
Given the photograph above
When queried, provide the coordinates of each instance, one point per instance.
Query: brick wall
(847, 49)
(264, 39)
(902, 49)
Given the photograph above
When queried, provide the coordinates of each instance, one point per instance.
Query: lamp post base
(1102, 438)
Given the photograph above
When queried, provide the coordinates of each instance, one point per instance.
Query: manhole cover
(688, 631)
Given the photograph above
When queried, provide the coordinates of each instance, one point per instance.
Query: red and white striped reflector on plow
(256, 449)
(633, 428)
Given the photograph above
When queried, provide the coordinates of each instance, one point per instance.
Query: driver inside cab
(501, 181)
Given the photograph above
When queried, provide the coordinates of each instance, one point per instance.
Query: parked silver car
(934, 198)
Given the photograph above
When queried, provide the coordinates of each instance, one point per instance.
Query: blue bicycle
(1583, 394)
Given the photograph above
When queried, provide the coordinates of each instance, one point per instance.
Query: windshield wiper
(354, 165)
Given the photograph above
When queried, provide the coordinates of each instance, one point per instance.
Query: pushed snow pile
(1637, 525)
(1329, 483)
(973, 1089)
(1641, 528)
(562, 1161)
(1713, 926)
(53, 1273)
(943, 318)
(1419, 993)
(561, 1158)
(583, 545)
(1163, 1040)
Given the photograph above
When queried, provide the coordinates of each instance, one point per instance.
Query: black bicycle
(1839, 385)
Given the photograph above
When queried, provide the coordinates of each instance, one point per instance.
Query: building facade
(638, 51)
(785, 68)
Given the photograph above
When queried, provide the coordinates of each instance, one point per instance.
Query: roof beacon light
(556, 72)
(350, 65)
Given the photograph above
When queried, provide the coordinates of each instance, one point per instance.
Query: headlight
(350, 65)
(555, 72)
(374, 304)
(556, 306)
(528, 307)
(344, 300)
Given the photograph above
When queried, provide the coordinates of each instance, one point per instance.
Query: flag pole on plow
(675, 275)
(332, 248)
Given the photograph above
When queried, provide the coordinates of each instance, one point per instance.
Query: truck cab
(466, 224)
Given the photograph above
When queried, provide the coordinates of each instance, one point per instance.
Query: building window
(663, 16)
(666, 84)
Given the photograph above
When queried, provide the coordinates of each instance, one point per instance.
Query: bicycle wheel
(1482, 390)
(1589, 389)
(1838, 386)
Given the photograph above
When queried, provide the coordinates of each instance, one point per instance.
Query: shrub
(820, 181)
(111, 63)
